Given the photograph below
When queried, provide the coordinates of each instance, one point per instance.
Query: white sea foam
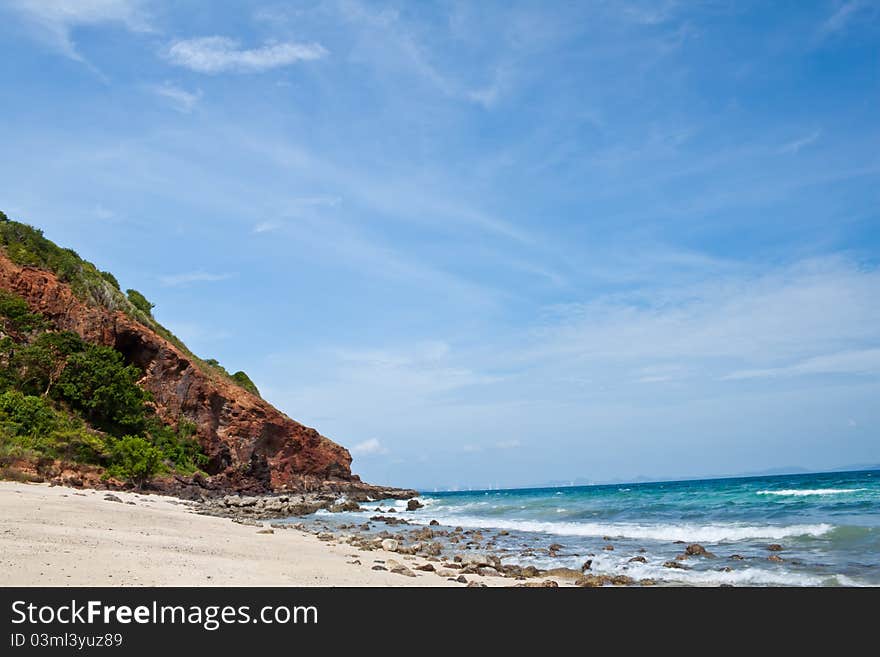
(608, 564)
(712, 533)
(802, 492)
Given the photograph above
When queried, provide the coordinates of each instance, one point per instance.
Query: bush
(135, 460)
(110, 278)
(245, 382)
(140, 302)
(17, 316)
(25, 415)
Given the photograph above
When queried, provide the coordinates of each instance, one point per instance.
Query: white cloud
(508, 444)
(172, 280)
(217, 54)
(180, 99)
(55, 20)
(369, 447)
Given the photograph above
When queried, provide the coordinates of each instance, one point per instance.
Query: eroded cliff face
(251, 445)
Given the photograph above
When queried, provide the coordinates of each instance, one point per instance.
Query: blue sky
(483, 243)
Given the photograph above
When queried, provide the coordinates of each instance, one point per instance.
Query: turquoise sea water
(828, 525)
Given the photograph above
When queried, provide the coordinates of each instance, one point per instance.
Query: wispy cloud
(217, 54)
(185, 278)
(267, 226)
(178, 98)
(796, 145)
(371, 447)
(54, 21)
(842, 16)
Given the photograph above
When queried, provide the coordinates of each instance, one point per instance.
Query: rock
(427, 567)
(112, 498)
(622, 580)
(554, 547)
(475, 559)
(593, 581)
(695, 549)
(247, 521)
(548, 584)
(398, 568)
(445, 573)
(774, 547)
(461, 579)
(475, 585)
(638, 559)
(609, 548)
(563, 573)
(530, 571)
(675, 564)
(378, 568)
(266, 531)
(775, 558)
(433, 523)
(413, 505)
(737, 557)
(725, 569)
(488, 571)
(390, 545)
(647, 582)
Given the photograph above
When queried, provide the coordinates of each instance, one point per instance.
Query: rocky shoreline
(387, 541)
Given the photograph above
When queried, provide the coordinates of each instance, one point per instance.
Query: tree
(98, 382)
(140, 302)
(134, 459)
(41, 363)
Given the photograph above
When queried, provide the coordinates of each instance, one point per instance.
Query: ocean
(828, 526)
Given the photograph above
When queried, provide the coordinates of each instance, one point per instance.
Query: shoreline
(58, 536)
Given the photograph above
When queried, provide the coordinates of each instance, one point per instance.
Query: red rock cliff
(251, 445)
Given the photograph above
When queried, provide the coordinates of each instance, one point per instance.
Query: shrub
(17, 316)
(25, 415)
(135, 460)
(140, 302)
(110, 278)
(245, 382)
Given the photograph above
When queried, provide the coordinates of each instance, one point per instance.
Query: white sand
(54, 536)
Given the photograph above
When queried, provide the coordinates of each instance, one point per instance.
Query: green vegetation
(140, 302)
(245, 382)
(134, 459)
(240, 377)
(64, 398)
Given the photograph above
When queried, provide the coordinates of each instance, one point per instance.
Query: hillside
(121, 396)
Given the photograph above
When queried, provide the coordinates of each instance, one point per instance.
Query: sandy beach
(56, 536)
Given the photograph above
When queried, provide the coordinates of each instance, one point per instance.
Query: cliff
(251, 446)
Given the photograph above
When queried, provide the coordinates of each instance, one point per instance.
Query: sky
(483, 243)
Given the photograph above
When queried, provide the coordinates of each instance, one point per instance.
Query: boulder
(390, 545)
(413, 505)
